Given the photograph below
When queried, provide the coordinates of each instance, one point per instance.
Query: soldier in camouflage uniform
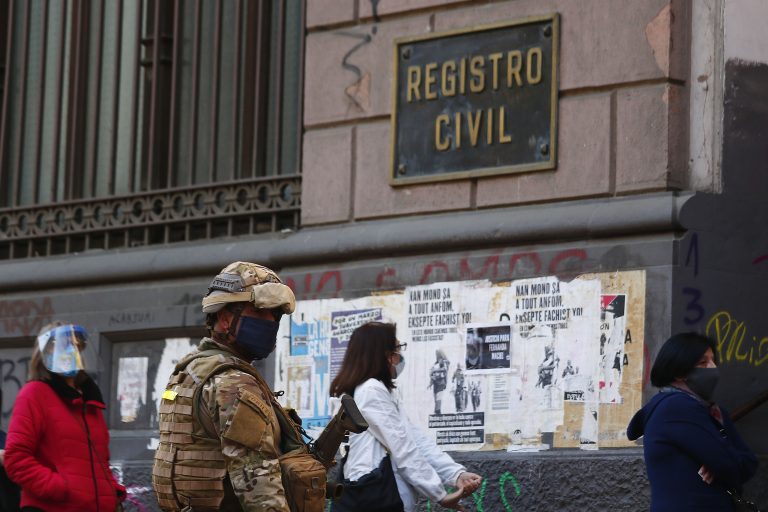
(219, 435)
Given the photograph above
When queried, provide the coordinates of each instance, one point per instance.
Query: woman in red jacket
(58, 444)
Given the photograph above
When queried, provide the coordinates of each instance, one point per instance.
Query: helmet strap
(224, 336)
(236, 311)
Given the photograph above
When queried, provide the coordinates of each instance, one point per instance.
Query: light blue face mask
(399, 367)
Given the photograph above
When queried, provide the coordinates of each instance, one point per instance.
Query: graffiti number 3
(693, 306)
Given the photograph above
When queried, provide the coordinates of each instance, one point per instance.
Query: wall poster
(523, 365)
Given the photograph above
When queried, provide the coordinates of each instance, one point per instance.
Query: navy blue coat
(680, 436)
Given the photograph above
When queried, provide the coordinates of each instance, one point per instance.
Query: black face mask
(703, 382)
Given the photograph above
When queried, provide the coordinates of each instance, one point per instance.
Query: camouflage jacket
(234, 412)
(249, 442)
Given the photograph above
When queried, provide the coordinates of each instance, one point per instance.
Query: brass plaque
(475, 102)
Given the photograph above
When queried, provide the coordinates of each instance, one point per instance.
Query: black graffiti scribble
(375, 9)
(364, 40)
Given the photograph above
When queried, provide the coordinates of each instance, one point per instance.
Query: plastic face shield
(60, 348)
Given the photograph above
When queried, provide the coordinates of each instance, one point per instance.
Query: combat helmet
(248, 282)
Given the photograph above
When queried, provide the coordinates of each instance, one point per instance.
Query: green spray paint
(502, 481)
(479, 496)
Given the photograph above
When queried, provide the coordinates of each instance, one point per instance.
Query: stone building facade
(658, 180)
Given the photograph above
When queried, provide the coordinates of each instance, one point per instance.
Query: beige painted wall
(623, 111)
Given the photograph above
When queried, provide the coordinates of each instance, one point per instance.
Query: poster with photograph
(555, 332)
(615, 393)
(612, 356)
(488, 347)
(529, 364)
(131, 386)
(342, 325)
(305, 375)
(437, 315)
(299, 386)
(315, 340)
(173, 351)
(621, 383)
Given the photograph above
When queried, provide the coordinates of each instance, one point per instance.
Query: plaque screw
(401, 169)
(544, 148)
(548, 30)
(406, 53)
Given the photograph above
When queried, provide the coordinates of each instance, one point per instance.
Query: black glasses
(400, 347)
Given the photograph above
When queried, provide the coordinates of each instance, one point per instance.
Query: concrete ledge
(575, 220)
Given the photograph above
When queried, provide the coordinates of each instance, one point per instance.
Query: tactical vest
(189, 470)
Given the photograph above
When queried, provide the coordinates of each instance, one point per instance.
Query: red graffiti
(532, 256)
(330, 283)
(333, 274)
(491, 264)
(760, 259)
(430, 268)
(554, 265)
(25, 317)
(383, 279)
(312, 293)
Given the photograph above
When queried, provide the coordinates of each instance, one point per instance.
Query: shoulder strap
(292, 437)
(200, 381)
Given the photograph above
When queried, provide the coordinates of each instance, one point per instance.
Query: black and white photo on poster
(488, 346)
(578, 369)
(543, 366)
(613, 321)
(555, 325)
(438, 379)
(459, 389)
(476, 395)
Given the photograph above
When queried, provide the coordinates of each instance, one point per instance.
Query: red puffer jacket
(58, 449)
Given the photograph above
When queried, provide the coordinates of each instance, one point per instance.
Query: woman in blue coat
(693, 454)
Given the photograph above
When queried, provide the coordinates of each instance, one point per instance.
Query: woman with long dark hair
(392, 444)
(693, 454)
(58, 443)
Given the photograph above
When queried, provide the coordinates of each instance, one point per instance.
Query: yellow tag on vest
(169, 394)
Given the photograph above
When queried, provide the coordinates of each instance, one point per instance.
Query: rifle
(324, 448)
(348, 419)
